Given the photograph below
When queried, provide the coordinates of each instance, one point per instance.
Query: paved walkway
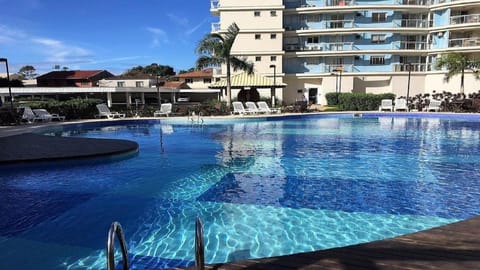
(451, 247)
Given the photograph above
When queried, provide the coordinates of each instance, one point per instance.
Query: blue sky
(100, 34)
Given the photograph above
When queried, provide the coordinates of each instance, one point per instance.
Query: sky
(101, 34)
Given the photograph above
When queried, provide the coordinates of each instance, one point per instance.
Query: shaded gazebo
(247, 82)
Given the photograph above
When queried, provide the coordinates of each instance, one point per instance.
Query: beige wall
(198, 83)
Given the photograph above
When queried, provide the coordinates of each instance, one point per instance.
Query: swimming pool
(262, 188)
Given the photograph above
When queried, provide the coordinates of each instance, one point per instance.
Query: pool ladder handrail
(199, 246)
(116, 229)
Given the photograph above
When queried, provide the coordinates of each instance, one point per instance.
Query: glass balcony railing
(461, 19)
(338, 68)
(332, 3)
(412, 2)
(333, 24)
(409, 45)
(335, 46)
(464, 42)
(216, 27)
(214, 4)
(415, 23)
(414, 67)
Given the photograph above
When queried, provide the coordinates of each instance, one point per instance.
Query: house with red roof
(72, 78)
(200, 79)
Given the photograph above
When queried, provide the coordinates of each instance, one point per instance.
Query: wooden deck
(451, 247)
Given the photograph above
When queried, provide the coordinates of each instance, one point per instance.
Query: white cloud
(159, 36)
(10, 35)
(179, 20)
(60, 53)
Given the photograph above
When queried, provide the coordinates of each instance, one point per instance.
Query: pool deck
(451, 247)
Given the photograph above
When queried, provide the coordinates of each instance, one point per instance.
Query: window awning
(245, 80)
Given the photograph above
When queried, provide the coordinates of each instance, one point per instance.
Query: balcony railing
(335, 46)
(461, 19)
(414, 67)
(415, 23)
(464, 42)
(339, 46)
(216, 27)
(409, 45)
(333, 24)
(413, 2)
(338, 68)
(214, 4)
(331, 3)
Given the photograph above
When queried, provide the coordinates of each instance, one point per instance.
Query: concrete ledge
(31, 147)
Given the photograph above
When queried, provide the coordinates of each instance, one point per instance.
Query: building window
(273, 58)
(313, 18)
(120, 84)
(273, 13)
(256, 13)
(378, 38)
(188, 80)
(377, 60)
(207, 80)
(379, 17)
(273, 36)
(258, 36)
(312, 39)
(258, 58)
(139, 84)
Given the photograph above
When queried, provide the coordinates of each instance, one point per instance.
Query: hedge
(357, 101)
(76, 108)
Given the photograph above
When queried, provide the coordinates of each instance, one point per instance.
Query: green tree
(186, 71)
(457, 63)
(215, 49)
(27, 72)
(154, 69)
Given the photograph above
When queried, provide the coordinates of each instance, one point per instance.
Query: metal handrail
(199, 246)
(116, 229)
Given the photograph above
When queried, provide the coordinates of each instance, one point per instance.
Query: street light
(8, 81)
(274, 83)
(409, 67)
(339, 70)
(158, 94)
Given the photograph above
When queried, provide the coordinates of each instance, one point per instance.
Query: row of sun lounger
(39, 115)
(252, 108)
(401, 105)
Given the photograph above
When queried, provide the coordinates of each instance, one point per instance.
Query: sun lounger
(104, 111)
(251, 107)
(238, 108)
(434, 105)
(401, 105)
(165, 109)
(48, 116)
(263, 108)
(29, 116)
(386, 104)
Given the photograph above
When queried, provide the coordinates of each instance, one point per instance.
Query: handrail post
(116, 229)
(199, 246)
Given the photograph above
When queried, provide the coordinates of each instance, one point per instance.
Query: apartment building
(364, 46)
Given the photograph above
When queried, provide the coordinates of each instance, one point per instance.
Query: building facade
(363, 46)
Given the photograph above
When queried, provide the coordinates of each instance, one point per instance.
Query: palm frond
(241, 64)
(206, 62)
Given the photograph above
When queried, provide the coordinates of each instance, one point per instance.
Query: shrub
(361, 102)
(76, 108)
(332, 98)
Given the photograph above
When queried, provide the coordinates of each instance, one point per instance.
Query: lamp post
(8, 81)
(158, 94)
(409, 67)
(274, 83)
(338, 75)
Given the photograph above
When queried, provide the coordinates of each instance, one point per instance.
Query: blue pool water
(261, 187)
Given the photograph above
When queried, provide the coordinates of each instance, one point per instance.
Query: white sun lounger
(401, 104)
(263, 108)
(238, 108)
(104, 111)
(165, 109)
(387, 104)
(251, 107)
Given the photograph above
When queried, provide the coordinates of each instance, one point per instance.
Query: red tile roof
(206, 73)
(174, 85)
(71, 74)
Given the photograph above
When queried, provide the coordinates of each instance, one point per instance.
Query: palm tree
(457, 63)
(215, 49)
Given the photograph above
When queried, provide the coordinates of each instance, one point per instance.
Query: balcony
(414, 67)
(409, 45)
(333, 3)
(462, 19)
(334, 24)
(339, 46)
(464, 42)
(338, 68)
(411, 23)
(413, 2)
(216, 27)
(214, 4)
